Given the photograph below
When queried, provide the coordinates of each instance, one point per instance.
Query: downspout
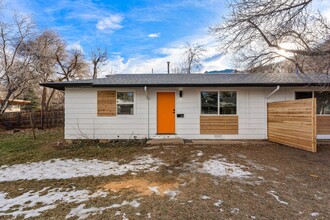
(270, 94)
(273, 92)
(147, 97)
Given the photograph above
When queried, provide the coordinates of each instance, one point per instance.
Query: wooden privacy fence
(21, 120)
(293, 123)
(323, 124)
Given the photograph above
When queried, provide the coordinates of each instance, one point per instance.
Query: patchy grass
(20, 147)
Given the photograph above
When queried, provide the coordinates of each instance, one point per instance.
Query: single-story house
(189, 106)
(15, 105)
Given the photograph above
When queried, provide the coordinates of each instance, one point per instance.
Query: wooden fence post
(31, 123)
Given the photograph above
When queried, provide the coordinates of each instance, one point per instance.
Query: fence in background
(32, 119)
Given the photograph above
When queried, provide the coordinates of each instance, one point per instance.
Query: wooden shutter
(106, 103)
(219, 124)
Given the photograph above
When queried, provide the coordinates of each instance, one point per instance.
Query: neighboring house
(191, 106)
(15, 105)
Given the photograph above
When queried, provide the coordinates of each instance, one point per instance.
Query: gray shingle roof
(195, 80)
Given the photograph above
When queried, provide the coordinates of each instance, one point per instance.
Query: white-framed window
(219, 102)
(125, 103)
(322, 100)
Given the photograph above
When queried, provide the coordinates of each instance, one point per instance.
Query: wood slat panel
(106, 103)
(323, 124)
(219, 124)
(293, 123)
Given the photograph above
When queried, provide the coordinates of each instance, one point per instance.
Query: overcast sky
(139, 35)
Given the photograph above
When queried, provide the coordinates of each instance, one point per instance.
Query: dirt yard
(229, 180)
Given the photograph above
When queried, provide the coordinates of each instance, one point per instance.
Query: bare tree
(192, 57)
(16, 62)
(99, 58)
(71, 65)
(177, 69)
(267, 31)
(55, 63)
(44, 49)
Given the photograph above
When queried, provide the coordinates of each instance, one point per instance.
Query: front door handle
(173, 111)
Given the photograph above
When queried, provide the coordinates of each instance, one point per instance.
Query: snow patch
(218, 203)
(205, 197)
(221, 168)
(154, 189)
(234, 210)
(45, 200)
(172, 194)
(199, 153)
(260, 166)
(124, 217)
(82, 213)
(274, 194)
(315, 214)
(135, 204)
(66, 169)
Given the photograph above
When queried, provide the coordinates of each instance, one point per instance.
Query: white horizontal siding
(81, 120)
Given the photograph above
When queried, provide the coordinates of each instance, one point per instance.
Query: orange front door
(166, 112)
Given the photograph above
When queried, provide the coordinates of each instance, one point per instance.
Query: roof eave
(62, 86)
(212, 85)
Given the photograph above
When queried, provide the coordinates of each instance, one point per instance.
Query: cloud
(75, 46)
(154, 35)
(110, 23)
(212, 59)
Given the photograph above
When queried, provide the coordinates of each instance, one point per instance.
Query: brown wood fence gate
(293, 123)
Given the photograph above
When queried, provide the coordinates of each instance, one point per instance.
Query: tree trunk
(43, 106)
(5, 102)
(95, 71)
(49, 99)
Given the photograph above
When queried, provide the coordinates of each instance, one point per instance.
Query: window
(125, 103)
(227, 103)
(304, 95)
(209, 102)
(322, 102)
(223, 103)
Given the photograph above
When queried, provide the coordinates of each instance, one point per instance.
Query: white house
(189, 106)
